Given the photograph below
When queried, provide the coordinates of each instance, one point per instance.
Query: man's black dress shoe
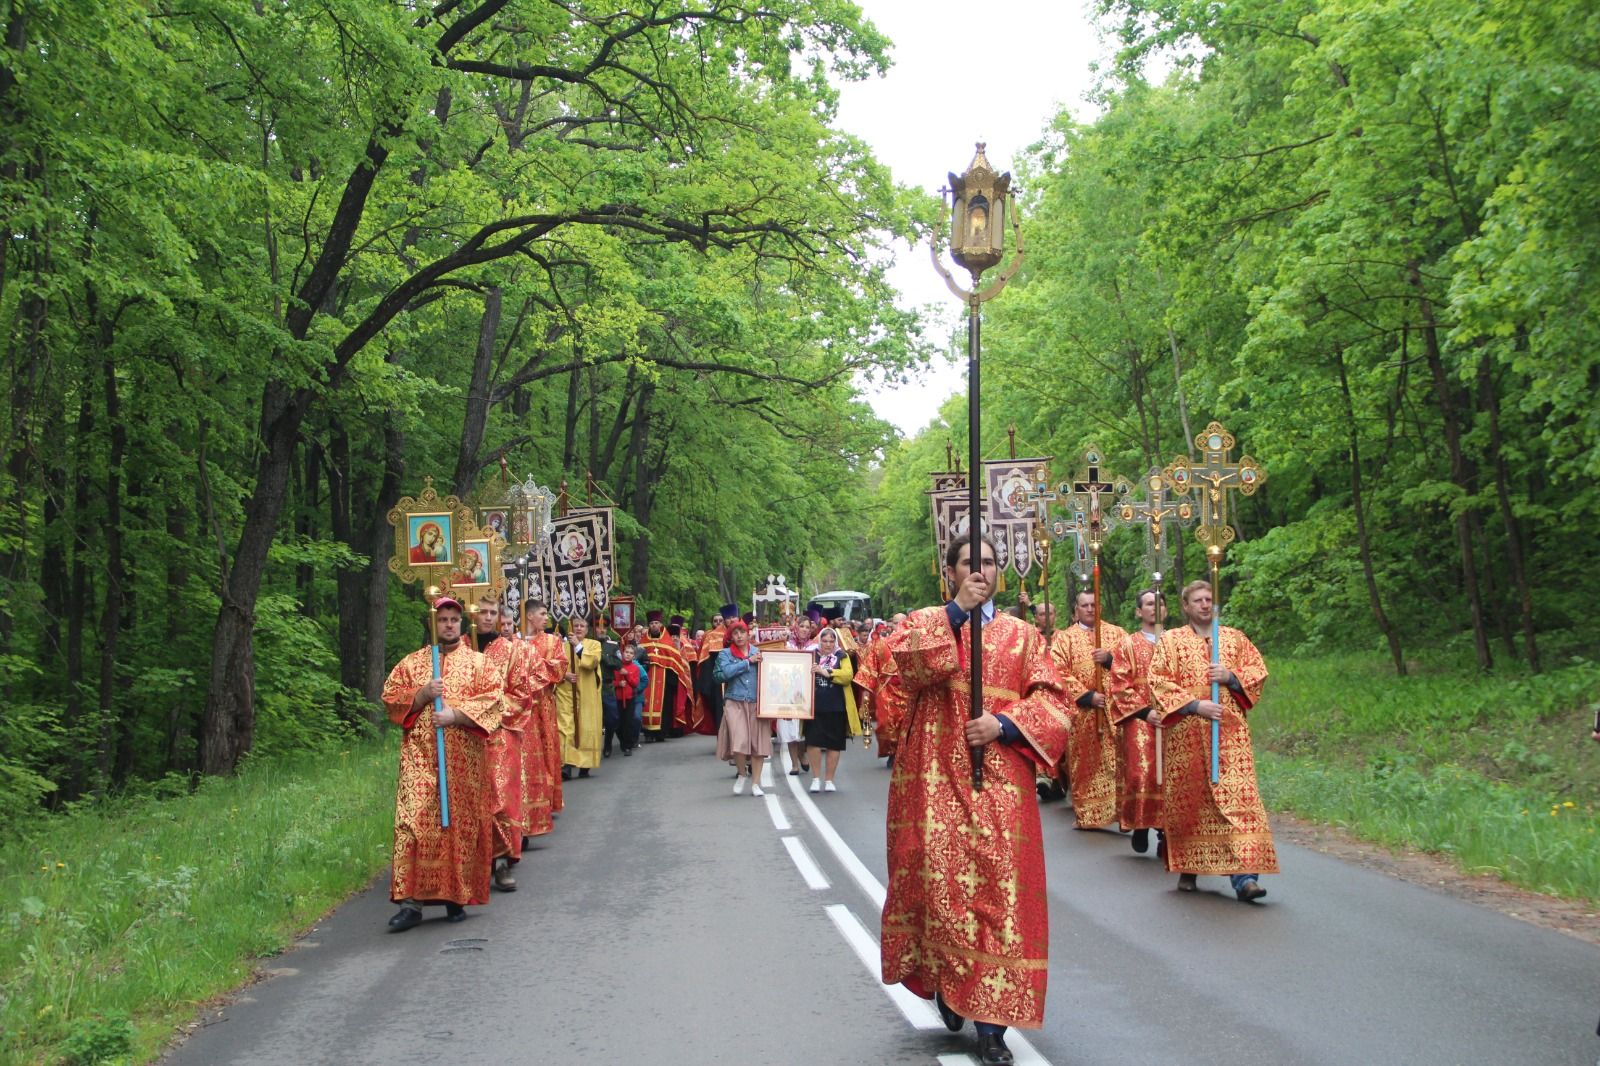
(455, 912)
(952, 1020)
(992, 1050)
(566, 773)
(407, 918)
(583, 772)
(1141, 840)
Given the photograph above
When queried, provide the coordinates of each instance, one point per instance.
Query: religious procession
(684, 533)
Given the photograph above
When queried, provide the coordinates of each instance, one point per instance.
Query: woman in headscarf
(835, 720)
(741, 737)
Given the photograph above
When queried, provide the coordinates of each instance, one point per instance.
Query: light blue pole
(438, 743)
(1216, 697)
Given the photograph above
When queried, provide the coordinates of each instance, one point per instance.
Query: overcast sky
(923, 125)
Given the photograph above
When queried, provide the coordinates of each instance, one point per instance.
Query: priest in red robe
(669, 687)
(965, 918)
(1132, 709)
(434, 863)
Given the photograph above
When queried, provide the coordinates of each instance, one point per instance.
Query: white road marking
(807, 865)
(779, 820)
(766, 774)
(958, 1060)
(919, 1012)
(853, 866)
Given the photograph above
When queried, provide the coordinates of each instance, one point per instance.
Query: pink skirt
(742, 733)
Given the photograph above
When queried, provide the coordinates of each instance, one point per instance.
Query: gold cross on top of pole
(1215, 477)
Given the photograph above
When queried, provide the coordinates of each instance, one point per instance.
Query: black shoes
(502, 880)
(1187, 883)
(1250, 892)
(952, 1020)
(627, 751)
(992, 1050)
(455, 912)
(583, 772)
(1141, 840)
(566, 773)
(407, 918)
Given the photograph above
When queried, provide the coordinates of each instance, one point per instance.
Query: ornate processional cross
(1155, 513)
(1215, 477)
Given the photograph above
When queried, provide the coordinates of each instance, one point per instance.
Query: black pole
(975, 525)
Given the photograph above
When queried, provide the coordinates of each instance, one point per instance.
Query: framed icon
(784, 685)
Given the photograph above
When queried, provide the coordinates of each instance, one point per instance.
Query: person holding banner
(1138, 771)
(965, 920)
(1211, 828)
(580, 713)
(439, 860)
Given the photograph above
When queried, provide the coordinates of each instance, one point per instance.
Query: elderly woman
(741, 737)
(835, 720)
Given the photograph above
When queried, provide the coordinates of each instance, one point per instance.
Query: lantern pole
(980, 185)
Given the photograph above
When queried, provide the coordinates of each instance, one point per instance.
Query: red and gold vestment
(1221, 828)
(544, 662)
(1138, 795)
(505, 748)
(886, 700)
(1093, 750)
(433, 864)
(966, 912)
(664, 657)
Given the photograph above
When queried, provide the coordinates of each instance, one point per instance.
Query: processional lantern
(981, 208)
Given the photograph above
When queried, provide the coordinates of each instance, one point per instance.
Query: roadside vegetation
(119, 917)
(1498, 774)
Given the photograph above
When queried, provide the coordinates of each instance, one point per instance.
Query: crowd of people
(1120, 720)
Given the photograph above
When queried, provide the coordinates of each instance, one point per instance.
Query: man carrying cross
(1139, 777)
(1211, 828)
(1093, 750)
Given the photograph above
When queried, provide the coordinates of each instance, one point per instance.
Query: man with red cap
(434, 863)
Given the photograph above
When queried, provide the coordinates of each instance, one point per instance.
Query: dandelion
(1569, 805)
(61, 866)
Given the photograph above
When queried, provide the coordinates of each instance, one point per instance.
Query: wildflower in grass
(1568, 804)
(61, 866)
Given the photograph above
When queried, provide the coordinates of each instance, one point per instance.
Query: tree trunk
(381, 542)
(111, 616)
(476, 422)
(1489, 395)
(1445, 397)
(349, 583)
(569, 449)
(1363, 541)
(639, 569)
(310, 477)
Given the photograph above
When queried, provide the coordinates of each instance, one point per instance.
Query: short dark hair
(952, 553)
(1138, 600)
(534, 605)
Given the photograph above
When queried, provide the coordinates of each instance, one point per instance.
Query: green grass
(117, 920)
(1498, 774)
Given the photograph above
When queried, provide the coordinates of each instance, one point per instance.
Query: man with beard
(707, 687)
(434, 863)
(1092, 751)
(668, 684)
(1211, 828)
(578, 705)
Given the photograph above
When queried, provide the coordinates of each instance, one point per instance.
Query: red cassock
(1211, 828)
(505, 747)
(664, 656)
(433, 864)
(1093, 750)
(966, 912)
(700, 719)
(1138, 794)
(544, 659)
(886, 700)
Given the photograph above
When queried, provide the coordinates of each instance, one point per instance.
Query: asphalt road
(668, 921)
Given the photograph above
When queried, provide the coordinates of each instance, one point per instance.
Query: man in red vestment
(1092, 752)
(965, 918)
(434, 863)
(544, 662)
(669, 686)
(1211, 828)
(1138, 780)
(505, 743)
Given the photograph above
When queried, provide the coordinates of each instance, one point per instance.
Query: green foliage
(126, 914)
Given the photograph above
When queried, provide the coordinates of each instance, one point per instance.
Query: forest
(266, 266)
